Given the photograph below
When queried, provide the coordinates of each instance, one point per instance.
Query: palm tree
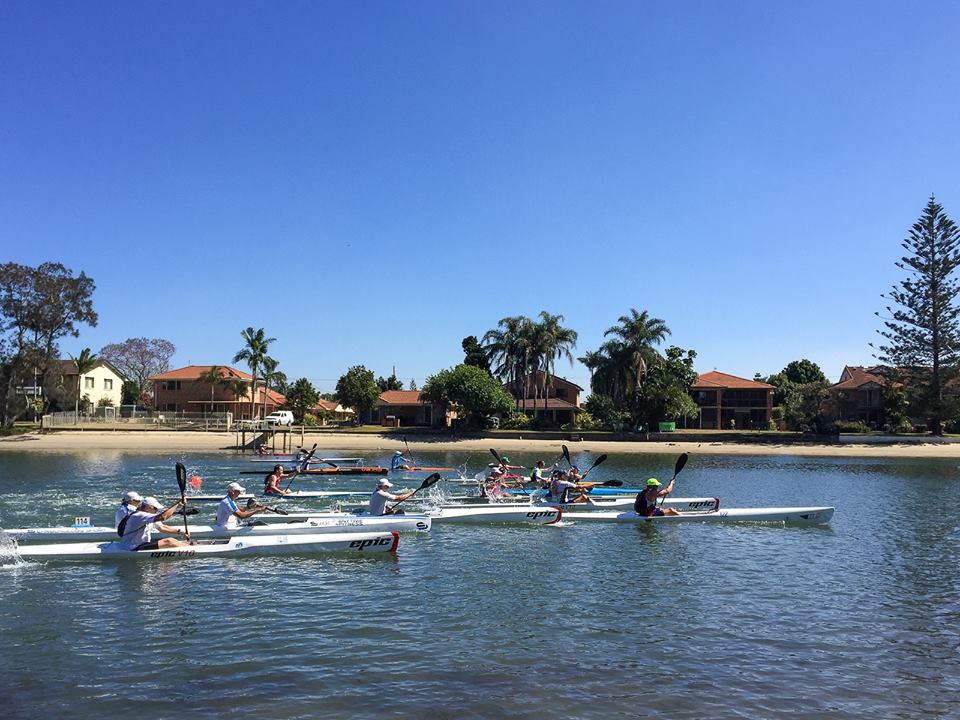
(631, 351)
(550, 341)
(271, 376)
(213, 377)
(253, 355)
(508, 348)
(85, 362)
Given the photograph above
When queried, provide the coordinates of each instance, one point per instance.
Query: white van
(279, 417)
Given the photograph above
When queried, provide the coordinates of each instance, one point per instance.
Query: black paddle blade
(496, 455)
(278, 511)
(681, 461)
(599, 460)
(566, 455)
(182, 478)
(612, 483)
(250, 502)
(431, 480)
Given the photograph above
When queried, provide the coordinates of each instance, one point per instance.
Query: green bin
(668, 427)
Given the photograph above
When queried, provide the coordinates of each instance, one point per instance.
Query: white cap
(397, 452)
(236, 486)
(384, 483)
(132, 496)
(152, 502)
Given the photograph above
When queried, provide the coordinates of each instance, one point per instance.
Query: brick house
(859, 395)
(727, 402)
(182, 391)
(406, 407)
(557, 407)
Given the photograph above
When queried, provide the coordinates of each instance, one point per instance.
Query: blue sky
(373, 181)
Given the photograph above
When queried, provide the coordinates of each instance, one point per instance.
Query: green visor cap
(653, 482)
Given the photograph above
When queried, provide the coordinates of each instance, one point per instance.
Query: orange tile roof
(192, 372)
(713, 379)
(855, 376)
(400, 397)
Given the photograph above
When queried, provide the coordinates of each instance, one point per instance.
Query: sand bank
(151, 442)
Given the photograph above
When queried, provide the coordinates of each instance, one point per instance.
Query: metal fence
(138, 420)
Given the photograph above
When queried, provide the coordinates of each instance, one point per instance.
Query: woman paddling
(271, 484)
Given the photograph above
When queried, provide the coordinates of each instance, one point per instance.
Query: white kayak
(292, 495)
(362, 543)
(304, 524)
(531, 514)
(701, 504)
(798, 515)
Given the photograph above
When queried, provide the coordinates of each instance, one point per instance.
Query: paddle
(596, 462)
(566, 455)
(303, 465)
(681, 461)
(605, 483)
(430, 480)
(278, 511)
(182, 482)
(409, 454)
(496, 456)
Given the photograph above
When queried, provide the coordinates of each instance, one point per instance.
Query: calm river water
(858, 619)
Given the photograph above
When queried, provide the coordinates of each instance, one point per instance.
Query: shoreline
(159, 441)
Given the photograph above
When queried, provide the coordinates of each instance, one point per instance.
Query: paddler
(379, 497)
(129, 504)
(537, 474)
(227, 511)
(561, 484)
(646, 502)
(271, 484)
(149, 519)
(399, 462)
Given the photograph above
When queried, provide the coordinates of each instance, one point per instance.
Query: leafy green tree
(471, 390)
(603, 412)
(302, 397)
(130, 393)
(663, 393)
(474, 354)
(357, 389)
(254, 353)
(390, 383)
(801, 390)
(139, 358)
(38, 306)
(85, 362)
(413, 384)
(923, 332)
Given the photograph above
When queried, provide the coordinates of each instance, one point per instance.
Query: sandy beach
(73, 441)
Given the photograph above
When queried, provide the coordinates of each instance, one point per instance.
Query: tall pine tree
(923, 332)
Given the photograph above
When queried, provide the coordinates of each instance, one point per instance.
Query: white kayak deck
(793, 515)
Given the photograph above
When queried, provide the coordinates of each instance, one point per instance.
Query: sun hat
(151, 501)
(653, 482)
(383, 482)
(236, 486)
(132, 496)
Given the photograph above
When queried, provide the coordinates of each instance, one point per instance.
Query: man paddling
(561, 484)
(228, 514)
(129, 504)
(646, 502)
(271, 484)
(147, 520)
(399, 462)
(379, 497)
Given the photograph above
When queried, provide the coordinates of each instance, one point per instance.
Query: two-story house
(729, 402)
(554, 403)
(183, 391)
(102, 385)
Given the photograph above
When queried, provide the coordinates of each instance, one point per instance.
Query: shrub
(851, 426)
(309, 419)
(517, 421)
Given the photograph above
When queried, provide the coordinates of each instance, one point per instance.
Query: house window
(107, 384)
(171, 385)
(88, 383)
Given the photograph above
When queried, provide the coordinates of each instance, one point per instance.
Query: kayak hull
(283, 525)
(356, 543)
(792, 515)
(528, 514)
